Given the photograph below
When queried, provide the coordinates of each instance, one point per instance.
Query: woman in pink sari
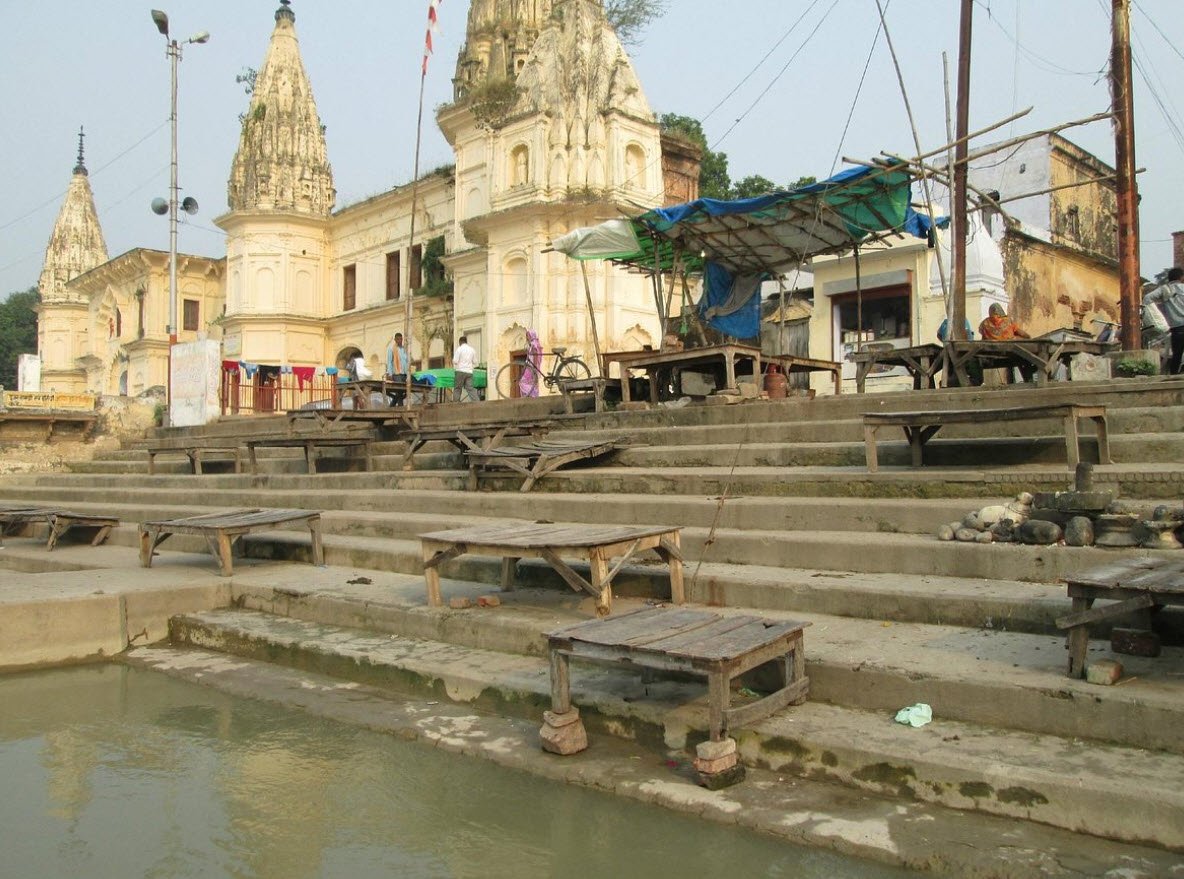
(528, 383)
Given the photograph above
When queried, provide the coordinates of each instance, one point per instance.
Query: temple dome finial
(80, 168)
(285, 12)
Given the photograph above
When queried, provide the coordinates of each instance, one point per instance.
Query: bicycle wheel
(509, 376)
(571, 369)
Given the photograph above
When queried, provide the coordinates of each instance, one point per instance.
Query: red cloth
(230, 366)
(303, 374)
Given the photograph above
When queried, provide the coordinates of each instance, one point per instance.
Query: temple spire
(77, 244)
(282, 163)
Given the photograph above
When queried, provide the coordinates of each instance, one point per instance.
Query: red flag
(433, 23)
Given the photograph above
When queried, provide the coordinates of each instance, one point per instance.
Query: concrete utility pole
(1129, 279)
(957, 325)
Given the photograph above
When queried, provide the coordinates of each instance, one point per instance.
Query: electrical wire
(1036, 60)
(777, 78)
(761, 63)
(96, 172)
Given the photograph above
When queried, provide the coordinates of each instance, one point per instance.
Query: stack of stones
(1083, 516)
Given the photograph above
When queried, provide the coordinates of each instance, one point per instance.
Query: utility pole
(1129, 280)
(957, 325)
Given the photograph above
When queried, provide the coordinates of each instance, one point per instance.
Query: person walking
(464, 361)
(396, 357)
(1169, 298)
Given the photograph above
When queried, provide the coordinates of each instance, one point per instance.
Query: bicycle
(563, 369)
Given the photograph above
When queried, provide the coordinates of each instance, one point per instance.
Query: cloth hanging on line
(303, 374)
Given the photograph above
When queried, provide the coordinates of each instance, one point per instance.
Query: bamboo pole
(591, 315)
(957, 326)
(916, 143)
(409, 309)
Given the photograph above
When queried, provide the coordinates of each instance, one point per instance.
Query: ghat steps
(802, 530)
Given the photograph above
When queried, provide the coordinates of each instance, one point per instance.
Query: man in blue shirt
(1170, 299)
(395, 350)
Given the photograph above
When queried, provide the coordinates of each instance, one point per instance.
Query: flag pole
(409, 311)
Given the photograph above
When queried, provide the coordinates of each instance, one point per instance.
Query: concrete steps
(1120, 793)
(898, 617)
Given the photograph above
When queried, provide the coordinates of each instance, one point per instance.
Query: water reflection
(121, 772)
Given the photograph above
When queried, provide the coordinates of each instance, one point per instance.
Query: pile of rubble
(1083, 516)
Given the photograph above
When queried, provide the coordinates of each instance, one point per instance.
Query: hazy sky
(102, 64)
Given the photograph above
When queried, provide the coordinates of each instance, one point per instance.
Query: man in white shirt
(1170, 299)
(464, 361)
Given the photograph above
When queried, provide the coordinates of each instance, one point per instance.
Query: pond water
(112, 771)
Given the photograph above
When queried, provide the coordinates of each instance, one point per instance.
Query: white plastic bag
(362, 369)
(1153, 319)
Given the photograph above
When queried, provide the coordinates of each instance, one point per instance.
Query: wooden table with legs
(221, 530)
(598, 544)
(729, 356)
(14, 519)
(1130, 585)
(717, 646)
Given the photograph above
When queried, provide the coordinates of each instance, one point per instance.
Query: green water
(116, 772)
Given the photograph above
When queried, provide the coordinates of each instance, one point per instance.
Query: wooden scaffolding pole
(957, 326)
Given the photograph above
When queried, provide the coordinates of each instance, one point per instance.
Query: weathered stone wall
(120, 419)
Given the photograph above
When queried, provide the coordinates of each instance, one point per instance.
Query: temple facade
(550, 130)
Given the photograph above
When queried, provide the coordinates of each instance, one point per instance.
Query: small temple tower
(76, 246)
(280, 196)
(568, 141)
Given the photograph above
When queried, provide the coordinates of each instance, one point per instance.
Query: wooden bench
(468, 437)
(328, 419)
(715, 646)
(356, 436)
(16, 519)
(598, 544)
(221, 530)
(920, 427)
(195, 449)
(535, 460)
(1132, 584)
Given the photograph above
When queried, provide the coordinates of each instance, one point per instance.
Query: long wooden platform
(920, 427)
(221, 530)
(598, 544)
(718, 647)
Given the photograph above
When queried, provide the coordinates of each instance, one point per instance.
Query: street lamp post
(173, 51)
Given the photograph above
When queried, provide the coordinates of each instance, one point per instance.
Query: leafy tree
(18, 332)
(752, 186)
(630, 17)
(714, 181)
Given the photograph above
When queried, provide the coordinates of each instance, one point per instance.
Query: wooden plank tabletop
(1016, 413)
(235, 519)
(1148, 574)
(692, 634)
(549, 447)
(527, 535)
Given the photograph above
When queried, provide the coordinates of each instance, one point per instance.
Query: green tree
(630, 17)
(714, 181)
(752, 186)
(18, 332)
